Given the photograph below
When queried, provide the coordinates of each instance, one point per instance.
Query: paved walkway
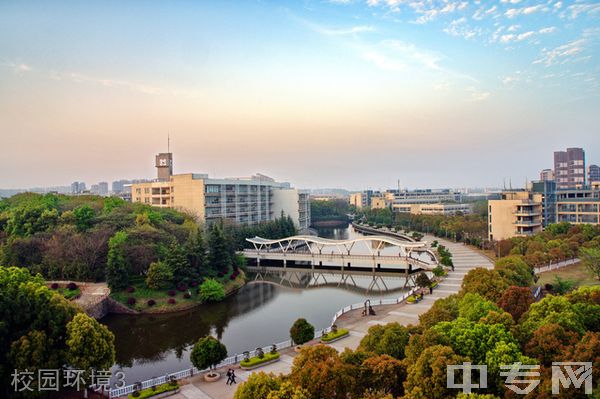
(464, 259)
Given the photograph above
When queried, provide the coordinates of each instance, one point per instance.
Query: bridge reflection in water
(305, 261)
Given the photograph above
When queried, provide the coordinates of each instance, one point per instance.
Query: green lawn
(149, 392)
(255, 361)
(577, 273)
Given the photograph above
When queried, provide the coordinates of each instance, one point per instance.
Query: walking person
(430, 290)
(228, 377)
(233, 377)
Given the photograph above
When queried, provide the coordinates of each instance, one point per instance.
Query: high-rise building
(546, 174)
(118, 186)
(103, 188)
(593, 173)
(569, 168)
(77, 187)
(247, 200)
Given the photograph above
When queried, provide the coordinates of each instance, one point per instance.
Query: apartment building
(569, 168)
(579, 206)
(427, 196)
(362, 199)
(593, 174)
(433, 209)
(517, 213)
(546, 174)
(248, 200)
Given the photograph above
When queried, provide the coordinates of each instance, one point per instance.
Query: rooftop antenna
(504, 183)
(510, 182)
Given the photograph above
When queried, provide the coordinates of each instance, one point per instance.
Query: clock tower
(164, 165)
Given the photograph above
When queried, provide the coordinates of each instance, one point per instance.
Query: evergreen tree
(177, 262)
(197, 256)
(117, 269)
(220, 254)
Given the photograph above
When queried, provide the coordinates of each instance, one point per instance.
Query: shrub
(131, 289)
(207, 352)
(131, 301)
(171, 293)
(211, 291)
(232, 277)
(71, 286)
(302, 331)
(54, 286)
(172, 301)
(159, 276)
(438, 271)
(194, 284)
(187, 295)
(151, 302)
(254, 361)
(411, 299)
(182, 287)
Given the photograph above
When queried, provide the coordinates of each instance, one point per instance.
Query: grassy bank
(577, 272)
(146, 300)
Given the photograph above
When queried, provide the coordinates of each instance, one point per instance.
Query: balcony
(528, 223)
(527, 212)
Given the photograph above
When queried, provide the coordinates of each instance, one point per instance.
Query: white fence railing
(126, 390)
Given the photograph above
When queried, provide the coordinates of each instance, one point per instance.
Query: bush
(330, 336)
(194, 284)
(211, 291)
(54, 286)
(131, 301)
(130, 290)
(438, 271)
(160, 276)
(254, 361)
(71, 286)
(151, 302)
(149, 392)
(171, 293)
(171, 301)
(411, 299)
(182, 287)
(207, 352)
(302, 331)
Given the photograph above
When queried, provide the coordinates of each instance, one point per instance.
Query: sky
(344, 93)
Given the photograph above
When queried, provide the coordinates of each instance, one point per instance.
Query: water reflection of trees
(149, 338)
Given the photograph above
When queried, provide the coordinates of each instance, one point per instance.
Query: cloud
(328, 31)
(513, 12)
(477, 94)
(384, 62)
(577, 9)
(561, 54)
(513, 28)
(458, 27)
(511, 37)
(16, 67)
(106, 82)
(549, 29)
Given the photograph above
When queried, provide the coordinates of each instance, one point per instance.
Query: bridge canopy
(374, 244)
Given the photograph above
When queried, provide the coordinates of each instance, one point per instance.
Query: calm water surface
(258, 315)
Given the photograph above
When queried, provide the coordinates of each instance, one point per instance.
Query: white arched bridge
(376, 256)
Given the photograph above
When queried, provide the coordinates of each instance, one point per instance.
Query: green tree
(514, 271)
(422, 280)
(385, 374)
(551, 309)
(473, 307)
(90, 344)
(177, 261)
(258, 386)
(320, 371)
(159, 276)
(288, 391)
(211, 291)
(117, 268)
(302, 331)
(591, 259)
(426, 377)
(84, 217)
(487, 283)
(220, 256)
(474, 340)
(197, 255)
(443, 309)
(390, 339)
(207, 353)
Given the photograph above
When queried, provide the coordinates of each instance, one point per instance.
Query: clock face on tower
(162, 162)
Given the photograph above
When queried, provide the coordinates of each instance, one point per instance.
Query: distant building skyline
(569, 168)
